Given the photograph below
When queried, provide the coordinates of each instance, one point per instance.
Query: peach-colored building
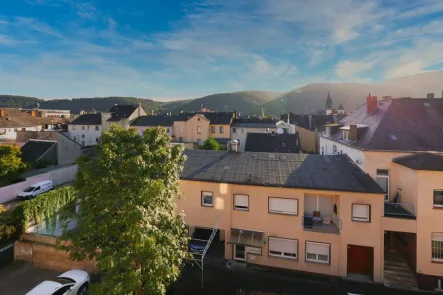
(298, 212)
(399, 143)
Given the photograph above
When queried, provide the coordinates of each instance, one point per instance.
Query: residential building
(272, 142)
(144, 122)
(13, 120)
(394, 141)
(310, 213)
(242, 126)
(48, 113)
(86, 129)
(310, 127)
(122, 115)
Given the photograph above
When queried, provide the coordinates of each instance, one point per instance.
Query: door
(239, 253)
(360, 260)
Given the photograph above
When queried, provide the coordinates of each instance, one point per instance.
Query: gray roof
(267, 142)
(425, 161)
(333, 173)
(317, 121)
(88, 119)
(33, 150)
(159, 120)
(407, 124)
(254, 122)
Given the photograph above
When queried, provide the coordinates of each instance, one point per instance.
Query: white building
(12, 120)
(86, 129)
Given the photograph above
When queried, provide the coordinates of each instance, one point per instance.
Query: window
(234, 130)
(83, 127)
(222, 129)
(243, 130)
(88, 127)
(199, 141)
(180, 128)
(438, 198)
(283, 206)
(96, 139)
(361, 212)
(383, 181)
(180, 139)
(207, 199)
(334, 149)
(241, 202)
(346, 135)
(97, 127)
(437, 247)
(286, 248)
(83, 136)
(212, 129)
(238, 142)
(199, 129)
(283, 144)
(318, 252)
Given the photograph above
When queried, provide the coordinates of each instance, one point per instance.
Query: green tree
(7, 229)
(126, 218)
(11, 164)
(210, 144)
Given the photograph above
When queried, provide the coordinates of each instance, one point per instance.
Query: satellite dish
(280, 131)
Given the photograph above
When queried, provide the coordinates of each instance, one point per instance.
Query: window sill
(437, 262)
(282, 213)
(438, 207)
(317, 262)
(208, 206)
(241, 209)
(361, 221)
(282, 257)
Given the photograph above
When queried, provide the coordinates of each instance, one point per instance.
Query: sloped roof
(334, 173)
(88, 119)
(122, 111)
(254, 122)
(409, 124)
(269, 143)
(16, 118)
(160, 120)
(33, 150)
(424, 161)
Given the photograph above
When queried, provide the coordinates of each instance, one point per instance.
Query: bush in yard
(211, 144)
(11, 165)
(7, 228)
(127, 218)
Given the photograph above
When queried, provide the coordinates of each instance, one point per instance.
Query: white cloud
(346, 68)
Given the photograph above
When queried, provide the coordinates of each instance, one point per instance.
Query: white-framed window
(283, 206)
(383, 181)
(253, 250)
(180, 128)
(207, 200)
(212, 129)
(438, 198)
(222, 129)
(286, 248)
(97, 127)
(318, 252)
(199, 129)
(334, 149)
(241, 202)
(437, 247)
(361, 212)
(346, 134)
(83, 136)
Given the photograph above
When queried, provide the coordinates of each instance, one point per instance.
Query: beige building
(398, 143)
(122, 115)
(297, 212)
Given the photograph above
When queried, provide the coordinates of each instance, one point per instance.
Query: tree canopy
(11, 165)
(210, 144)
(127, 218)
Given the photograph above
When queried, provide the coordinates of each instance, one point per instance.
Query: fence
(58, 175)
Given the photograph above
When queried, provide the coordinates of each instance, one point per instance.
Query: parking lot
(18, 278)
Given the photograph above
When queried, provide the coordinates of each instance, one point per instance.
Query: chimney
(353, 132)
(371, 104)
(430, 95)
(310, 122)
(289, 114)
(2, 113)
(234, 145)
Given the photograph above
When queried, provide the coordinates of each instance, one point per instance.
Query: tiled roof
(334, 173)
(160, 120)
(254, 123)
(269, 143)
(16, 118)
(411, 124)
(424, 161)
(33, 150)
(88, 119)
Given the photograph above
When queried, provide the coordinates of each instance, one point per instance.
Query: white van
(35, 190)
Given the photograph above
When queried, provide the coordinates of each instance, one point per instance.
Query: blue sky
(176, 49)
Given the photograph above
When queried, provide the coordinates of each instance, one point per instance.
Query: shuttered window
(283, 247)
(361, 212)
(241, 202)
(437, 247)
(318, 252)
(283, 206)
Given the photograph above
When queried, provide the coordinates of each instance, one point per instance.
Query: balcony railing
(322, 224)
(400, 210)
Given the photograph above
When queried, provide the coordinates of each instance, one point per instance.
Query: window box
(361, 212)
(318, 252)
(283, 248)
(283, 206)
(207, 199)
(241, 202)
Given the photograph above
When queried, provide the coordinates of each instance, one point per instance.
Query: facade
(122, 115)
(48, 113)
(144, 122)
(86, 129)
(269, 213)
(385, 139)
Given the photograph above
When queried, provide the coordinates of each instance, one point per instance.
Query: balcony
(400, 210)
(330, 225)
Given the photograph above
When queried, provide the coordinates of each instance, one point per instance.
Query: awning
(246, 237)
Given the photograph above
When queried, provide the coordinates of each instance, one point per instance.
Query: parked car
(35, 190)
(73, 282)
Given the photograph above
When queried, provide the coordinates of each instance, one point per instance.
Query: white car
(35, 190)
(73, 282)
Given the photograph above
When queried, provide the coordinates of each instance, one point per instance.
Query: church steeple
(328, 101)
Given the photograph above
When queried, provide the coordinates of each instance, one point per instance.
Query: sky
(178, 49)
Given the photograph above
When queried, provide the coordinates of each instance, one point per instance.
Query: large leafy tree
(11, 164)
(126, 217)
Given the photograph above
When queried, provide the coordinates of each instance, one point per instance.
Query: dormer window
(346, 135)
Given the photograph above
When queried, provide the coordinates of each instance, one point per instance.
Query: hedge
(43, 206)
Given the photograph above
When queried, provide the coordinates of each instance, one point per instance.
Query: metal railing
(399, 209)
(324, 223)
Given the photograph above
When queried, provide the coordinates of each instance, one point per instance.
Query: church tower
(329, 102)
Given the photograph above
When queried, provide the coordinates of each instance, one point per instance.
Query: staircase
(397, 273)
